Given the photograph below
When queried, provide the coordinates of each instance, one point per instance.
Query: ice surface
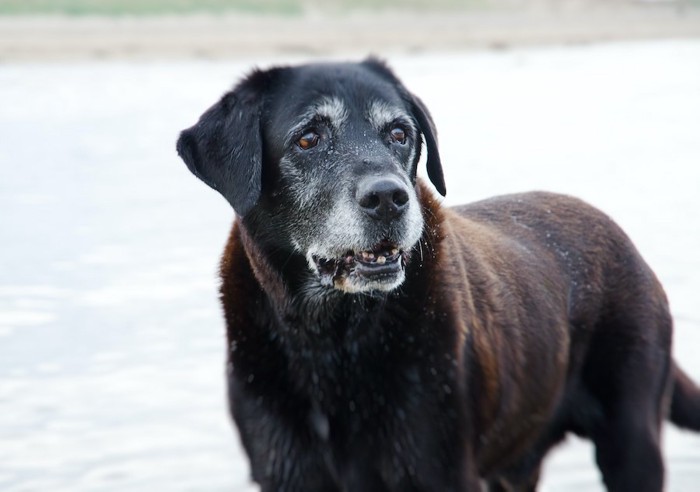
(111, 339)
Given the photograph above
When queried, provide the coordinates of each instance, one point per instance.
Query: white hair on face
(343, 231)
(414, 219)
(380, 114)
(330, 109)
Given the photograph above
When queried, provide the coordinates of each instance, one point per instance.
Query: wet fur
(521, 319)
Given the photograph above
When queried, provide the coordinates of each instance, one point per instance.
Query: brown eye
(308, 141)
(398, 135)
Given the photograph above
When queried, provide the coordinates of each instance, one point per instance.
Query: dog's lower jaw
(355, 285)
(350, 282)
(362, 272)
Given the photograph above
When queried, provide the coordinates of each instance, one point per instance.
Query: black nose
(382, 198)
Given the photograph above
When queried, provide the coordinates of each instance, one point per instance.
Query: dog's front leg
(430, 450)
(401, 472)
(284, 455)
(452, 475)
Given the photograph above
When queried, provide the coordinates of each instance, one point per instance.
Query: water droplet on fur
(319, 423)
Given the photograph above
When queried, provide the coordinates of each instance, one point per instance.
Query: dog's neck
(301, 300)
(297, 298)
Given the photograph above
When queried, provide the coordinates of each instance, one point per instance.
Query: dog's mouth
(378, 268)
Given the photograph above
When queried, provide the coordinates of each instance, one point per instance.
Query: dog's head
(320, 160)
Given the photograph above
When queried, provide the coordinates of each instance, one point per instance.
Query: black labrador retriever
(381, 342)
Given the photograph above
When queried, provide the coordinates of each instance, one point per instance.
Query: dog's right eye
(308, 140)
(398, 135)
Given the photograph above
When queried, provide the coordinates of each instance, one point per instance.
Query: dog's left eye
(308, 140)
(398, 135)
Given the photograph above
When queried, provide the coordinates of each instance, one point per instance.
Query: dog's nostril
(370, 201)
(400, 197)
(382, 198)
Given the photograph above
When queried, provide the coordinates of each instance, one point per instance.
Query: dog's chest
(355, 373)
(348, 377)
(360, 401)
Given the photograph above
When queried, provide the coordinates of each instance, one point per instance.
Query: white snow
(111, 337)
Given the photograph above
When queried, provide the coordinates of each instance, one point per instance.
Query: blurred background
(111, 336)
(69, 29)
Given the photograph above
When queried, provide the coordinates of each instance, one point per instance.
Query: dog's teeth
(365, 255)
(370, 256)
(381, 259)
(395, 251)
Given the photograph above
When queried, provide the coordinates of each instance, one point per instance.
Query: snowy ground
(111, 340)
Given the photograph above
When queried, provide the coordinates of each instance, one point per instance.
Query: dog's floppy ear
(427, 126)
(424, 120)
(224, 149)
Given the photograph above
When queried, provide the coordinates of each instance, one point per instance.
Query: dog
(378, 341)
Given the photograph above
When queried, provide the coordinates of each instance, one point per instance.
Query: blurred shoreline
(230, 35)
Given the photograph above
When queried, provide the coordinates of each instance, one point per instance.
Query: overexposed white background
(111, 336)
